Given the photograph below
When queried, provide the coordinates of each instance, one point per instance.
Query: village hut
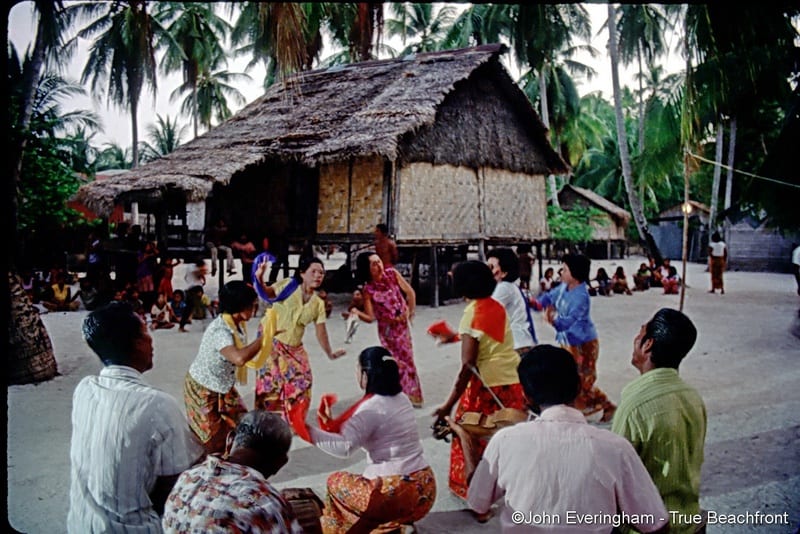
(667, 230)
(608, 233)
(443, 147)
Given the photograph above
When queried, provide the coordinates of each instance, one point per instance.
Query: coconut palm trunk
(30, 356)
(731, 154)
(622, 140)
(712, 216)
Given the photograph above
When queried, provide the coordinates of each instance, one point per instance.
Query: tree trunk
(712, 216)
(194, 109)
(30, 355)
(640, 148)
(135, 132)
(635, 202)
(731, 158)
(551, 179)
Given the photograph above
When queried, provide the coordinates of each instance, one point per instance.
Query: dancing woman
(398, 485)
(286, 378)
(213, 405)
(487, 345)
(390, 299)
(567, 309)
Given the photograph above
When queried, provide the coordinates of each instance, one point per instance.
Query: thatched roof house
(444, 147)
(611, 230)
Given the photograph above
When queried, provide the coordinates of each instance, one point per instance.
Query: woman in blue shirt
(567, 309)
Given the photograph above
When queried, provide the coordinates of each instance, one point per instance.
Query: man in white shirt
(557, 473)
(129, 440)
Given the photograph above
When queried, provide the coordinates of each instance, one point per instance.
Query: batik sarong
(284, 379)
(383, 504)
(476, 398)
(590, 399)
(211, 415)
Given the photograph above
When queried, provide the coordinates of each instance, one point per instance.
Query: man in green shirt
(665, 418)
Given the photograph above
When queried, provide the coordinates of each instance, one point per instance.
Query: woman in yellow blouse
(286, 377)
(487, 345)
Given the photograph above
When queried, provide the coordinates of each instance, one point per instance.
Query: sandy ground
(745, 365)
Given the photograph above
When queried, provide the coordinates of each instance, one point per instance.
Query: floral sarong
(382, 504)
(284, 379)
(590, 398)
(476, 398)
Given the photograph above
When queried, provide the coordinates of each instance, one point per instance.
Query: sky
(117, 122)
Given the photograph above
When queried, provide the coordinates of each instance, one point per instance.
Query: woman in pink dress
(390, 299)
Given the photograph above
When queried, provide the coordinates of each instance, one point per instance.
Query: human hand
(442, 411)
(337, 354)
(550, 314)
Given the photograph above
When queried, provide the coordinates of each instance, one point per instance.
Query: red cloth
(326, 420)
(297, 412)
(490, 318)
(442, 330)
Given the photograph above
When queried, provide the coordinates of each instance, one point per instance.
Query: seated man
(557, 467)
(130, 441)
(231, 493)
(665, 418)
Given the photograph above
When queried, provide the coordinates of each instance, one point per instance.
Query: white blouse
(385, 427)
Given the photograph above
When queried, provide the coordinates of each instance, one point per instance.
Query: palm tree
(641, 30)
(122, 57)
(419, 23)
(274, 34)
(622, 140)
(213, 91)
(356, 27)
(193, 43)
(113, 156)
(164, 136)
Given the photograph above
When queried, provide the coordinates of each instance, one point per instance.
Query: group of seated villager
(652, 274)
(605, 285)
(139, 463)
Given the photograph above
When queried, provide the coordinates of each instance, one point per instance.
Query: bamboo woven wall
(437, 202)
(609, 230)
(446, 203)
(350, 204)
(515, 205)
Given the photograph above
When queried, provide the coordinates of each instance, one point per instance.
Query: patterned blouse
(218, 496)
(210, 368)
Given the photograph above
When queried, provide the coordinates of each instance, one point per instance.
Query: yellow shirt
(497, 362)
(294, 315)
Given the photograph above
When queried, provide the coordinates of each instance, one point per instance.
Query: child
(672, 282)
(178, 303)
(356, 304)
(619, 282)
(162, 314)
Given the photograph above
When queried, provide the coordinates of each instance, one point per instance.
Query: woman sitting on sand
(619, 282)
(398, 486)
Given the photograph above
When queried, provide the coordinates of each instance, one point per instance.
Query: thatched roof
(323, 116)
(604, 204)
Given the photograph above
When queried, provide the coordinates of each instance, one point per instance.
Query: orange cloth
(490, 318)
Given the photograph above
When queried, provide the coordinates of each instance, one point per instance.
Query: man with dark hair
(130, 441)
(665, 418)
(231, 493)
(556, 468)
(385, 247)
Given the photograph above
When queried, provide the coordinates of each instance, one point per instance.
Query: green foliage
(45, 184)
(574, 225)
